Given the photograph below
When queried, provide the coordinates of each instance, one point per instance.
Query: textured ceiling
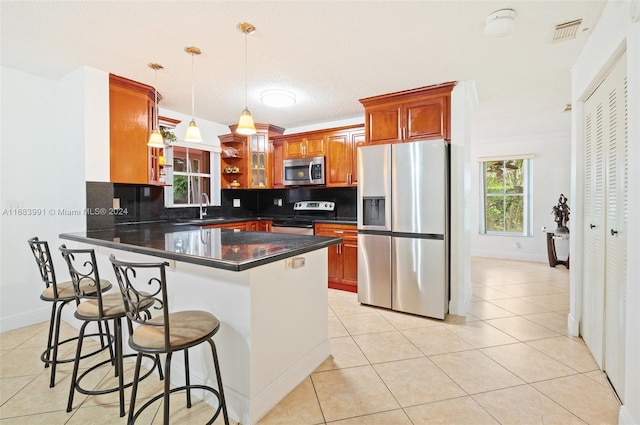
(329, 53)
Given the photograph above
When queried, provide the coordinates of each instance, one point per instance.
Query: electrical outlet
(236, 203)
(277, 202)
(517, 244)
(294, 263)
(116, 203)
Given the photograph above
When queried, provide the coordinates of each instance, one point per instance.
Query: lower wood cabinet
(254, 225)
(240, 225)
(343, 258)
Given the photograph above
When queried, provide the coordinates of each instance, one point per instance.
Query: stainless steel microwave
(304, 171)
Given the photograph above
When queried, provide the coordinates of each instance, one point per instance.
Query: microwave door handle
(310, 172)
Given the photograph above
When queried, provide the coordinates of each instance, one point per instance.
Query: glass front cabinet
(259, 166)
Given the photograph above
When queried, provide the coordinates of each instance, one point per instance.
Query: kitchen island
(268, 290)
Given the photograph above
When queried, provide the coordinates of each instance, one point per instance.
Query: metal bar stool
(59, 295)
(97, 308)
(166, 333)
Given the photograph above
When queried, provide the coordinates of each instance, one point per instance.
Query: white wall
(551, 177)
(42, 169)
(614, 33)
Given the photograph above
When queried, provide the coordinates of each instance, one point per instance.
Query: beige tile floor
(510, 361)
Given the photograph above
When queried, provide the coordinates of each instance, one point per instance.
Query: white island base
(274, 325)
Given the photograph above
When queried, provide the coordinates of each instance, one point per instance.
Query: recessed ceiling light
(278, 98)
(499, 23)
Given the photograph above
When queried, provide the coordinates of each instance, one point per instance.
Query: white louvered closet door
(605, 216)
(616, 231)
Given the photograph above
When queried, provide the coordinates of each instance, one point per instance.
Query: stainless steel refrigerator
(403, 199)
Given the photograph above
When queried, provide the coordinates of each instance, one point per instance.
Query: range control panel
(314, 206)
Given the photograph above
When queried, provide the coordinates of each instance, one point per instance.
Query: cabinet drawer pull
(592, 226)
(614, 232)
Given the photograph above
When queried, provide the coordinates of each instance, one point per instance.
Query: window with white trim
(506, 200)
(191, 175)
(195, 170)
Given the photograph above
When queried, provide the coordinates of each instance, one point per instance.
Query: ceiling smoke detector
(499, 23)
(566, 31)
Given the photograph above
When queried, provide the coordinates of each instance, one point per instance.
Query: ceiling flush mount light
(193, 132)
(246, 125)
(277, 98)
(499, 23)
(155, 139)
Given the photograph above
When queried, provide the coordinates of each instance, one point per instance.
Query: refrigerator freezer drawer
(420, 277)
(374, 270)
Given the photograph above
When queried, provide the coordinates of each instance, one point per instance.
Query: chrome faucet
(204, 203)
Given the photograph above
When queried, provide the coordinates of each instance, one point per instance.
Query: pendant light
(155, 139)
(246, 126)
(193, 132)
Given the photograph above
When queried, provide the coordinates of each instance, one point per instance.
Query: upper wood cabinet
(233, 161)
(306, 146)
(131, 114)
(277, 154)
(411, 115)
(257, 169)
(341, 158)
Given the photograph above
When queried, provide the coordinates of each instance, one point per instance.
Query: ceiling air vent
(566, 31)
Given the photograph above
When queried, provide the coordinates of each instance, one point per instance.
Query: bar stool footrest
(182, 388)
(116, 388)
(45, 354)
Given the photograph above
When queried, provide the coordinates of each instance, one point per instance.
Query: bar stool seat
(59, 295)
(66, 292)
(187, 327)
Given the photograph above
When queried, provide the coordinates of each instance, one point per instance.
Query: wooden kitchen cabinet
(343, 258)
(131, 115)
(233, 161)
(258, 164)
(411, 115)
(264, 225)
(277, 154)
(239, 225)
(304, 147)
(342, 159)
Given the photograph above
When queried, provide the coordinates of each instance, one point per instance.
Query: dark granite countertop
(220, 248)
(221, 220)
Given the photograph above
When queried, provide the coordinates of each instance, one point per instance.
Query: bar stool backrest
(140, 292)
(40, 250)
(84, 272)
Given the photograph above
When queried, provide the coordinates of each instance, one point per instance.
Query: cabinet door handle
(592, 226)
(614, 232)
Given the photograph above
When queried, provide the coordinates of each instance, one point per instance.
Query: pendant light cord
(193, 102)
(155, 90)
(246, 73)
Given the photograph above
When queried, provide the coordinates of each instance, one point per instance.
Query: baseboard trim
(273, 393)
(573, 325)
(625, 418)
(28, 318)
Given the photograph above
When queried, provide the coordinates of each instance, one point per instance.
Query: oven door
(303, 171)
(292, 228)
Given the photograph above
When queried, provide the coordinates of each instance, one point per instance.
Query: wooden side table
(551, 249)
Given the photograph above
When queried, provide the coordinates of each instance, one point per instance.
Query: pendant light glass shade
(155, 138)
(246, 125)
(193, 132)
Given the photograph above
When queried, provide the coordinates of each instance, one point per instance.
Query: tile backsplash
(140, 203)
